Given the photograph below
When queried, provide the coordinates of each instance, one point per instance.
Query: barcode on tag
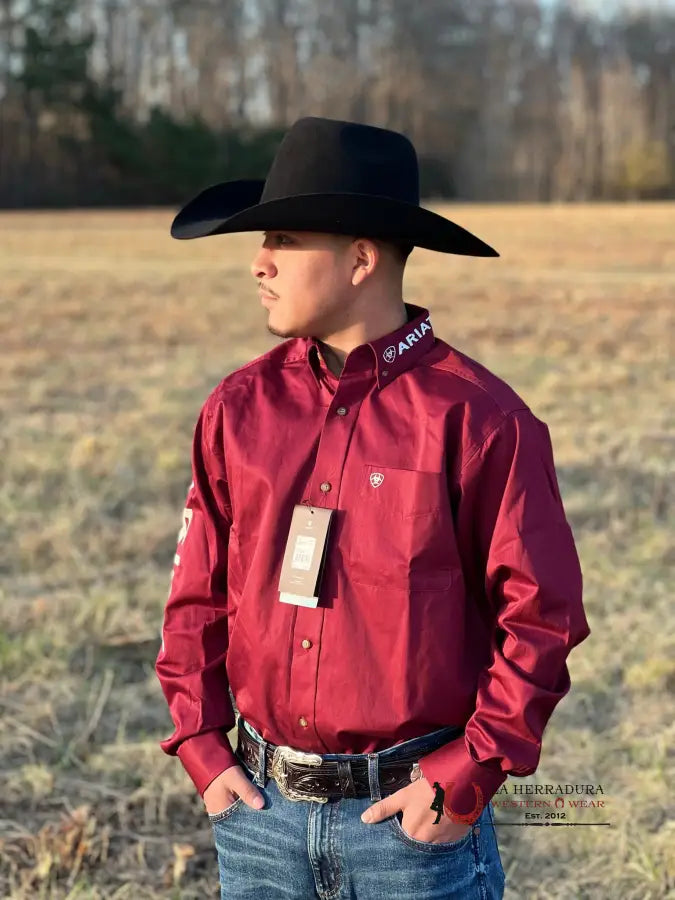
(303, 552)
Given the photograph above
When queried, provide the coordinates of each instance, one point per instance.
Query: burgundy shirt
(452, 591)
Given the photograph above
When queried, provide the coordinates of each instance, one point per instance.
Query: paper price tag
(305, 554)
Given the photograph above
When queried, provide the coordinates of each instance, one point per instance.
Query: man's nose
(262, 265)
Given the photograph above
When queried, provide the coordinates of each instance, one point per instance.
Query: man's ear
(367, 255)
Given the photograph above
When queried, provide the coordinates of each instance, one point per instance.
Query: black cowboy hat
(336, 177)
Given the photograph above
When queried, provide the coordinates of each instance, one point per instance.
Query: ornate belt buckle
(284, 754)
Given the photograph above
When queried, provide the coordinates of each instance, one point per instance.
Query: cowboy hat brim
(234, 207)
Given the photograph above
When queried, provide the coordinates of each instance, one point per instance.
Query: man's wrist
(468, 784)
(205, 756)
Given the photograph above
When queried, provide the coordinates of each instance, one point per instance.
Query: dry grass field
(112, 335)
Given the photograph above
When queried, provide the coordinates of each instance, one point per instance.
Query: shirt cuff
(468, 785)
(205, 756)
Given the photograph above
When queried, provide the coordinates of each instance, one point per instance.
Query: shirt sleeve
(190, 665)
(513, 533)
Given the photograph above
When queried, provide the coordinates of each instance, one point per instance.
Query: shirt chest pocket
(406, 493)
(397, 534)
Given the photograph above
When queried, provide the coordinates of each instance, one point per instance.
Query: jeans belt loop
(374, 777)
(261, 775)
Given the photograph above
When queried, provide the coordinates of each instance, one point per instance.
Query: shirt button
(306, 644)
(303, 721)
(385, 371)
(325, 486)
(341, 410)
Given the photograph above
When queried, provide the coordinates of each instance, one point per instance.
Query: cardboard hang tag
(305, 555)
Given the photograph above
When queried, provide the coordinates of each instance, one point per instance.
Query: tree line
(137, 102)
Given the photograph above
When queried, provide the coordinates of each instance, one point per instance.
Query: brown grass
(113, 335)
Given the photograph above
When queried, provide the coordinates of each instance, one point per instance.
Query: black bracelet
(439, 799)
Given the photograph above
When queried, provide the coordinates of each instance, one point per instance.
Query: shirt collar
(388, 355)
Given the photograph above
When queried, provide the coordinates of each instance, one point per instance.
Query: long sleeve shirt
(451, 591)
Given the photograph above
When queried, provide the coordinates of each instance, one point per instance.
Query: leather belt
(307, 776)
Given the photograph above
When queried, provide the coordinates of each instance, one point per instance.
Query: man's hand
(226, 787)
(418, 818)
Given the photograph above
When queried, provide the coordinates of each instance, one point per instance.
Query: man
(375, 579)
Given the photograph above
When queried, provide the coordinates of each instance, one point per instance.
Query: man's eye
(283, 237)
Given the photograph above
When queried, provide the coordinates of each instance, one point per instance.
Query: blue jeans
(301, 850)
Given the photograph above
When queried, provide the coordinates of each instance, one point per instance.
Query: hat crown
(329, 156)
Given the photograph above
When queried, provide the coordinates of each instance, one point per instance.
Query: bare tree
(505, 99)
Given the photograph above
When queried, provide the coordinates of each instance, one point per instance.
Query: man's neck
(334, 356)
(334, 362)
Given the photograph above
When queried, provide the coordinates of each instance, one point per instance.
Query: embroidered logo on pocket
(376, 479)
